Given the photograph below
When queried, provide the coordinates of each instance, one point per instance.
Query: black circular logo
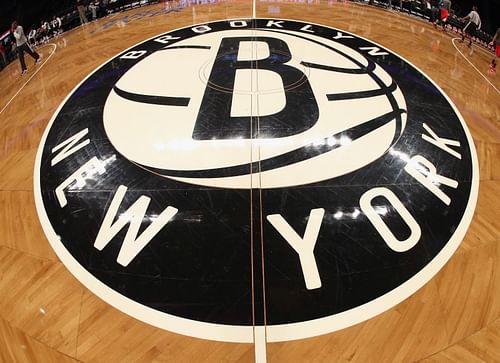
(255, 172)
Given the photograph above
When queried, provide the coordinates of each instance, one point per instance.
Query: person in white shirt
(473, 24)
(32, 37)
(45, 31)
(93, 6)
(22, 46)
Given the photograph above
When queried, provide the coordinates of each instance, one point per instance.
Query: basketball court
(243, 181)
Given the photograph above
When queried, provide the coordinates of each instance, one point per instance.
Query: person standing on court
(22, 46)
(473, 24)
(81, 11)
(496, 43)
(445, 12)
(435, 6)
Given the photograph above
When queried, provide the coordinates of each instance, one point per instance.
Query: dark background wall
(30, 12)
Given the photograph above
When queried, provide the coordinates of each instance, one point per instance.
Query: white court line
(33, 75)
(473, 66)
(259, 332)
(260, 343)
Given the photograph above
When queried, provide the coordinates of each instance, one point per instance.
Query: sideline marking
(473, 66)
(29, 79)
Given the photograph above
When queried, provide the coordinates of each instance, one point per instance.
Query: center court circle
(255, 172)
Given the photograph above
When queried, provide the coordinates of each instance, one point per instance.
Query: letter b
(214, 119)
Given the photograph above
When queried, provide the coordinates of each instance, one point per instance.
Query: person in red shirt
(496, 43)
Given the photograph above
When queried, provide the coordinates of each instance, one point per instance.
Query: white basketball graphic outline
(165, 146)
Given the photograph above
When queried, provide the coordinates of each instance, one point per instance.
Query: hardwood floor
(46, 315)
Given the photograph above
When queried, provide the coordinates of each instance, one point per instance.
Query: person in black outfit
(435, 5)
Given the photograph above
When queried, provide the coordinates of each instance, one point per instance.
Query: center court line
(473, 66)
(260, 343)
(259, 332)
(33, 75)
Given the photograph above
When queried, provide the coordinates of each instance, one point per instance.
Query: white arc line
(29, 79)
(473, 66)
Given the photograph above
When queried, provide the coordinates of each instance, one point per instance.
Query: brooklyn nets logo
(255, 173)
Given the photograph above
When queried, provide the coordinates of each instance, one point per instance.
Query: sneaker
(38, 60)
(24, 72)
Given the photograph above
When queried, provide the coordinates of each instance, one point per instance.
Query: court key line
(473, 66)
(29, 79)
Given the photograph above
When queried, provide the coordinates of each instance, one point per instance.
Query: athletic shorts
(470, 28)
(444, 14)
(497, 50)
